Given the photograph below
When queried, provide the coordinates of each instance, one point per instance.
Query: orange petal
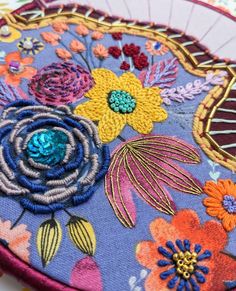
(224, 270)
(214, 190)
(228, 222)
(147, 254)
(3, 69)
(186, 220)
(162, 231)
(13, 80)
(27, 61)
(28, 73)
(154, 282)
(14, 56)
(213, 236)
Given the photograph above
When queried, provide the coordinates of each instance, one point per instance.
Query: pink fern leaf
(162, 74)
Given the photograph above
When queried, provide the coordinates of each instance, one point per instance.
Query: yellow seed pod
(82, 235)
(181, 255)
(186, 275)
(48, 240)
(175, 257)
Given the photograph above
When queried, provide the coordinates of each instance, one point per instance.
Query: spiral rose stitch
(49, 158)
(60, 83)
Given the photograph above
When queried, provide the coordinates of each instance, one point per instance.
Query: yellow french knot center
(185, 263)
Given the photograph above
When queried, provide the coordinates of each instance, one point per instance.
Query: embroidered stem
(75, 36)
(18, 219)
(86, 62)
(68, 213)
(121, 138)
(122, 54)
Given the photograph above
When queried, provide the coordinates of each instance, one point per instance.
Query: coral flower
(15, 68)
(77, 46)
(156, 48)
(50, 37)
(186, 255)
(100, 52)
(221, 202)
(16, 239)
(117, 101)
(82, 30)
(63, 54)
(60, 26)
(97, 35)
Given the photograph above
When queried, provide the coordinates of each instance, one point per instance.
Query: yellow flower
(117, 101)
(9, 34)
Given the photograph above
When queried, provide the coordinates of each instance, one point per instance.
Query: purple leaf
(86, 275)
(162, 74)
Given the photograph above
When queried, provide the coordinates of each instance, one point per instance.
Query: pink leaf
(168, 147)
(149, 188)
(86, 275)
(118, 190)
(162, 74)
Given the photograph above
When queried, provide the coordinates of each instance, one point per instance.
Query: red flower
(140, 61)
(131, 50)
(117, 36)
(124, 66)
(114, 51)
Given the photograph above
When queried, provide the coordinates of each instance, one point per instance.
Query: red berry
(114, 51)
(117, 35)
(131, 50)
(140, 61)
(124, 66)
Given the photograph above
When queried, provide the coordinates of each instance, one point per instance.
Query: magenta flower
(60, 83)
(146, 165)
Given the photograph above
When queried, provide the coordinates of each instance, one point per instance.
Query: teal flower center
(47, 147)
(121, 101)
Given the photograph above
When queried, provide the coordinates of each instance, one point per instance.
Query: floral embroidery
(51, 38)
(156, 48)
(63, 54)
(30, 46)
(179, 257)
(16, 238)
(100, 52)
(41, 151)
(60, 83)
(16, 68)
(221, 202)
(9, 34)
(145, 164)
(111, 122)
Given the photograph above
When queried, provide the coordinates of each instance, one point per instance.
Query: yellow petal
(93, 109)
(105, 81)
(110, 125)
(130, 83)
(140, 121)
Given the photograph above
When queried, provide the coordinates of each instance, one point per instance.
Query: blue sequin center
(47, 147)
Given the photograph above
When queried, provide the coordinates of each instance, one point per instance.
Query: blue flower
(49, 158)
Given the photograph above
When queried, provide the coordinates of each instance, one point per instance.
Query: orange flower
(15, 68)
(221, 202)
(156, 48)
(97, 35)
(186, 253)
(100, 52)
(60, 26)
(63, 54)
(50, 37)
(82, 30)
(77, 46)
(16, 238)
